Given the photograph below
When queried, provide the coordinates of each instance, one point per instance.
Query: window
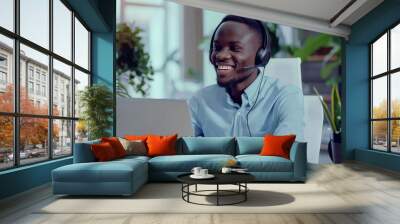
(3, 78)
(30, 87)
(38, 89)
(30, 72)
(385, 94)
(54, 125)
(43, 90)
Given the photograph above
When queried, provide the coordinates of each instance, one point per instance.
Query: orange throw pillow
(116, 145)
(277, 145)
(103, 152)
(161, 145)
(136, 137)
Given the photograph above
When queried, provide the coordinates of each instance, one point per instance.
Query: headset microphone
(248, 67)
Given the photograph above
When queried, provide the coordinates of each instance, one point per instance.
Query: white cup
(226, 170)
(196, 171)
(203, 172)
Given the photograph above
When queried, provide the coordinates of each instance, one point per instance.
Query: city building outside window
(56, 129)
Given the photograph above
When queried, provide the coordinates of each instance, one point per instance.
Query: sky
(35, 27)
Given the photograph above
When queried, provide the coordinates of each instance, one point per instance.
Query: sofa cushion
(277, 145)
(116, 145)
(111, 171)
(249, 145)
(257, 163)
(185, 163)
(161, 145)
(103, 152)
(206, 145)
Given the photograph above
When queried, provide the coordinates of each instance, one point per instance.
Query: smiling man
(245, 102)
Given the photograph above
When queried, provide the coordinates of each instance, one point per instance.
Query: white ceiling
(316, 15)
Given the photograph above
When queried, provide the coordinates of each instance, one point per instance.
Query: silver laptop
(139, 116)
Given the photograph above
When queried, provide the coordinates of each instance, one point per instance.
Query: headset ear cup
(262, 57)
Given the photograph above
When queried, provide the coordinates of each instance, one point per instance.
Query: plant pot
(335, 149)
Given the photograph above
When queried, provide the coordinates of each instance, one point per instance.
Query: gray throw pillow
(137, 147)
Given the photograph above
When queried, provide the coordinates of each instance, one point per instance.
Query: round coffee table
(238, 179)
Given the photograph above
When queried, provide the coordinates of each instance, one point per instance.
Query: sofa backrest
(249, 145)
(206, 145)
(253, 145)
(83, 152)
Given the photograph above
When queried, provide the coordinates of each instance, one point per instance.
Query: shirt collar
(250, 93)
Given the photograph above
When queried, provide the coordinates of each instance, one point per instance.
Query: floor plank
(377, 189)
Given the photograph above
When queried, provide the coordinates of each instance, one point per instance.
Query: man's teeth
(225, 67)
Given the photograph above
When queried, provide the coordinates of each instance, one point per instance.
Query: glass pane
(81, 81)
(395, 47)
(62, 89)
(81, 131)
(81, 45)
(33, 139)
(379, 135)
(62, 29)
(395, 94)
(6, 74)
(34, 97)
(6, 142)
(7, 14)
(35, 21)
(379, 55)
(62, 141)
(379, 98)
(395, 136)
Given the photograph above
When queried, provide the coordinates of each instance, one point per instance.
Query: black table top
(220, 178)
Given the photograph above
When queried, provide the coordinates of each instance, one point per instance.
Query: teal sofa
(125, 176)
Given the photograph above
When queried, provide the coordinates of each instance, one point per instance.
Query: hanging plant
(134, 69)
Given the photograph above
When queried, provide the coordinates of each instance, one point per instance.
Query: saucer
(208, 176)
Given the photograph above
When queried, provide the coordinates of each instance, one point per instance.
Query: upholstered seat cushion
(184, 163)
(257, 163)
(112, 171)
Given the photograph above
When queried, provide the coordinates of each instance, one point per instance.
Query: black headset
(262, 56)
(263, 53)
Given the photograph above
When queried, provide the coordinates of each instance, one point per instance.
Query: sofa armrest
(298, 155)
(83, 152)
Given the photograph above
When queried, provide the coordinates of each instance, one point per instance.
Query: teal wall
(99, 15)
(356, 86)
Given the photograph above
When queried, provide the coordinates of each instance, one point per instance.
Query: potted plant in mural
(327, 50)
(133, 62)
(333, 115)
(96, 102)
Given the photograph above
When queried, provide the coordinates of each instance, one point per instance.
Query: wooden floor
(378, 188)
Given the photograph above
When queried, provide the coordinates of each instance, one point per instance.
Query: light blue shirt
(279, 110)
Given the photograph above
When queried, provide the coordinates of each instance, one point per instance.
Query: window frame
(16, 114)
(388, 74)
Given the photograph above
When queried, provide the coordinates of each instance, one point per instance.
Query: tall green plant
(333, 114)
(331, 60)
(133, 62)
(96, 102)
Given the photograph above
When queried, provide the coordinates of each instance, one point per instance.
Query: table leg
(245, 193)
(196, 188)
(217, 194)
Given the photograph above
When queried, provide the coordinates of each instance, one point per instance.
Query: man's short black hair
(251, 23)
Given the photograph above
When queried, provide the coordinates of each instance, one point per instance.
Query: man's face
(235, 46)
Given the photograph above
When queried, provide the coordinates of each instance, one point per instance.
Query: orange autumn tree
(380, 128)
(33, 130)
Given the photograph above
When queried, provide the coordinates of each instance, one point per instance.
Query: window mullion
(73, 82)
(389, 106)
(50, 81)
